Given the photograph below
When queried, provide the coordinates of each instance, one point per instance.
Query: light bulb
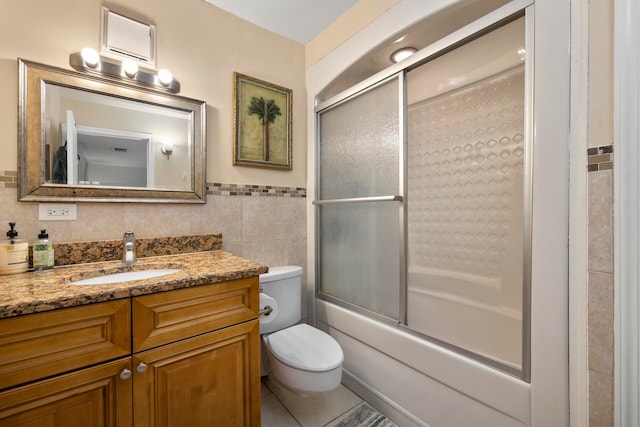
(165, 77)
(130, 67)
(403, 53)
(90, 57)
(167, 148)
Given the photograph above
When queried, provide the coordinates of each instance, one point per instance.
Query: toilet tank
(283, 284)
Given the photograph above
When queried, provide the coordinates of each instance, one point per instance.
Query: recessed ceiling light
(402, 53)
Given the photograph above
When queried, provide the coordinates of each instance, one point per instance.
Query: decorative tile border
(600, 158)
(8, 179)
(219, 189)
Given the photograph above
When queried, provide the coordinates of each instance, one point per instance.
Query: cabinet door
(92, 397)
(209, 380)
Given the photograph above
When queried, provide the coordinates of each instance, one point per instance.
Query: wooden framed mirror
(96, 139)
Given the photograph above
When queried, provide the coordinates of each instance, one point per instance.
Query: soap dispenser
(14, 253)
(43, 256)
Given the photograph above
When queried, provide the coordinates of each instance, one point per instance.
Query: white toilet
(300, 357)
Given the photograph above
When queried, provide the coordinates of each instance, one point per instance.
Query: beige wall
(355, 19)
(600, 73)
(200, 44)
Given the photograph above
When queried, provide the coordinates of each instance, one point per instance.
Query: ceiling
(302, 20)
(299, 20)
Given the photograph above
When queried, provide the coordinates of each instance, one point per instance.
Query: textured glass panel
(359, 261)
(359, 145)
(465, 198)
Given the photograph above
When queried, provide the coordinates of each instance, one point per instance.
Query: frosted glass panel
(466, 151)
(359, 151)
(359, 255)
(359, 145)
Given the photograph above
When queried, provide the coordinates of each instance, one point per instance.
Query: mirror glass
(102, 139)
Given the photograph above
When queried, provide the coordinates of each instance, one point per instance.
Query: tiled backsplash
(600, 158)
(111, 250)
(263, 223)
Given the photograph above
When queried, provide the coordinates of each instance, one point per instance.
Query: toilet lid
(305, 347)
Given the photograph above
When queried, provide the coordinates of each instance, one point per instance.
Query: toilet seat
(305, 347)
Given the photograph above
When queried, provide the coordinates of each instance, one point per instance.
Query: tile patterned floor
(338, 408)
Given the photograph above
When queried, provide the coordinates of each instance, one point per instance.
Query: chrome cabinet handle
(142, 368)
(125, 374)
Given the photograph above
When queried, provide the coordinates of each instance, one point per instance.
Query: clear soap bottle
(43, 255)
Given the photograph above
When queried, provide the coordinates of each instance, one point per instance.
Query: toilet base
(305, 382)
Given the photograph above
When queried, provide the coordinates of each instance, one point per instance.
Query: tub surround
(40, 291)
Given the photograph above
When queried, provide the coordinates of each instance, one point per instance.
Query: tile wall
(263, 223)
(601, 305)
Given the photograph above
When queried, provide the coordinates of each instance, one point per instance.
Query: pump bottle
(14, 253)
(43, 255)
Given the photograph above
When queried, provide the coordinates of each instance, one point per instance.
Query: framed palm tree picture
(262, 123)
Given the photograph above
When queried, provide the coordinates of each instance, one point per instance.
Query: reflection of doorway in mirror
(109, 157)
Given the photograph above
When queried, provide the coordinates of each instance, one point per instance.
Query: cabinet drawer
(44, 344)
(167, 317)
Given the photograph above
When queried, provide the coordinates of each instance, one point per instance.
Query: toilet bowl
(300, 357)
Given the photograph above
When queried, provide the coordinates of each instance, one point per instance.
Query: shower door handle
(360, 200)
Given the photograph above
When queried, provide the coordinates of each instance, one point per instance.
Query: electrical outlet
(57, 212)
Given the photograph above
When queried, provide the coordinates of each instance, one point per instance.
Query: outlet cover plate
(57, 211)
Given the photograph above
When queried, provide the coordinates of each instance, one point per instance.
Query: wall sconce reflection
(91, 61)
(167, 149)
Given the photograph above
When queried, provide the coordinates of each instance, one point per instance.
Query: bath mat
(365, 416)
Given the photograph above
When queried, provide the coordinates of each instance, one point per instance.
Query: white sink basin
(126, 276)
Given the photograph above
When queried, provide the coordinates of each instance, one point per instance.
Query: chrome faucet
(129, 248)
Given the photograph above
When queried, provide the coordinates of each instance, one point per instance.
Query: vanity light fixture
(88, 60)
(130, 67)
(167, 149)
(402, 53)
(90, 57)
(165, 77)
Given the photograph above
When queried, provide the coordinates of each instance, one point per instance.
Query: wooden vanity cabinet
(197, 356)
(192, 360)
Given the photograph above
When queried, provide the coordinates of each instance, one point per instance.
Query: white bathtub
(466, 311)
(418, 383)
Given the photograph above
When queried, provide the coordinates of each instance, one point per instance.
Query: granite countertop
(39, 291)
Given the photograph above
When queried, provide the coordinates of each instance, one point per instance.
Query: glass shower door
(359, 199)
(467, 174)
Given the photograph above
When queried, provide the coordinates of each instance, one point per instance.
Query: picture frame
(262, 124)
